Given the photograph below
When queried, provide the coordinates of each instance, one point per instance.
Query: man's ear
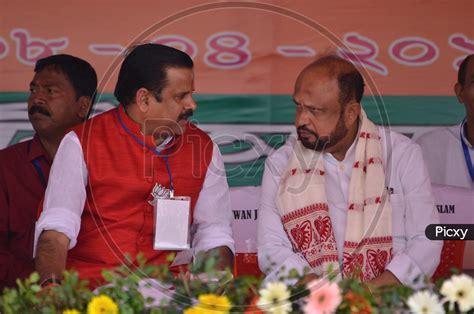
(352, 112)
(458, 92)
(141, 99)
(85, 103)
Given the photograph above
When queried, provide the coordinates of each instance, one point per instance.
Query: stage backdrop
(247, 57)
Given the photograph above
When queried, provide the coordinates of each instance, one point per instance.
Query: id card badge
(172, 223)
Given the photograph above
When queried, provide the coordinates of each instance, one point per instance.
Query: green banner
(249, 127)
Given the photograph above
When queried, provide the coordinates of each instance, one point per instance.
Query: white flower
(424, 302)
(459, 289)
(275, 298)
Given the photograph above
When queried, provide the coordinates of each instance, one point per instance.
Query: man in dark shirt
(61, 94)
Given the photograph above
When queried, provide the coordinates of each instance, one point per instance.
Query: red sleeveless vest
(117, 217)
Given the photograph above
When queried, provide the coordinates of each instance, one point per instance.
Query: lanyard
(139, 141)
(467, 156)
(38, 169)
(37, 166)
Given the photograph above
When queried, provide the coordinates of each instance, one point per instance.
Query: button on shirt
(412, 210)
(338, 177)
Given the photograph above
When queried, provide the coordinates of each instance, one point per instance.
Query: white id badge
(172, 223)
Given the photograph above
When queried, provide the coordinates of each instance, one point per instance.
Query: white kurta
(66, 194)
(412, 203)
(444, 156)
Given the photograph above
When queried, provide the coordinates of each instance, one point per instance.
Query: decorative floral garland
(205, 290)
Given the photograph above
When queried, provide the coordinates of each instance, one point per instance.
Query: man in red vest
(109, 171)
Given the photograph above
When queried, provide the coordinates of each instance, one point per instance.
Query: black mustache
(38, 109)
(185, 115)
(305, 128)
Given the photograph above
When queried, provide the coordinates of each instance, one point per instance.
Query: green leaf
(108, 276)
(170, 257)
(293, 274)
(34, 277)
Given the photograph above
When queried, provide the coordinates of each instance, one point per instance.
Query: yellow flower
(192, 310)
(71, 312)
(211, 303)
(102, 305)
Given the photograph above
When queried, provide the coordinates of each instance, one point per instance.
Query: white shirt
(444, 156)
(412, 210)
(65, 197)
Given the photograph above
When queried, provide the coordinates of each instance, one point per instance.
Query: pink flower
(324, 297)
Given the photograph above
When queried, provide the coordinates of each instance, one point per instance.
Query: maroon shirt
(22, 187)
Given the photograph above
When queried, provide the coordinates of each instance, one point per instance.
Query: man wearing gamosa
(345, 195)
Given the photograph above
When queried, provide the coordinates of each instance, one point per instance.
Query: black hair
(78, 71)
(351, 87)
(463, 69)
(145, 66)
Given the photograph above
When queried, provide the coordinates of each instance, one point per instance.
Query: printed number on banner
(227, 50)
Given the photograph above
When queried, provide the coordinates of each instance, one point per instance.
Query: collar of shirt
(348, 160)
(463, 135)
(135, 129)
(339, 175)
(163, 144)
(35, 150)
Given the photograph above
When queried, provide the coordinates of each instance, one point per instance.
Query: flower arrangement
(205, 290)
(101, 304)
